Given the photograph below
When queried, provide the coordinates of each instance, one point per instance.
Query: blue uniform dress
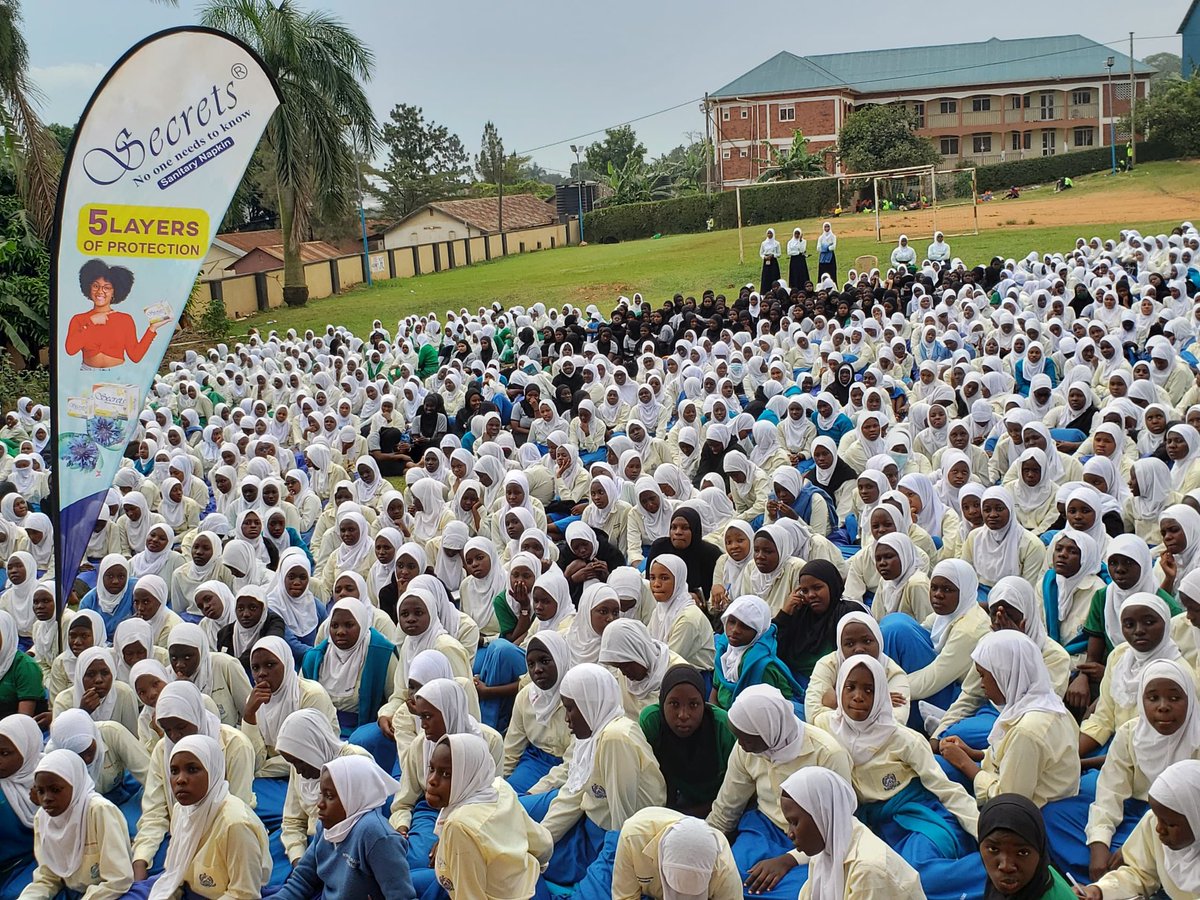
(123, 611)
(1066, 821)
(16, 853)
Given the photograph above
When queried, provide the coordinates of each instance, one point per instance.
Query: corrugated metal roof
(921, 68)
(1187, 16)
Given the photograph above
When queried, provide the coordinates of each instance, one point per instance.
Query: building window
(1085, 137)
(1028, 140)
(787, 114)
(1048, 142)
(948, 107)
(745, 112)
(1121, 90)
(725, 154)
(724, 114)
(919, 113)
(1020, 101)
(981, 104)
(981, 143)
(1081, 98)
(949, 146)
(1016, 140)
(743, 152)
(1047, 105)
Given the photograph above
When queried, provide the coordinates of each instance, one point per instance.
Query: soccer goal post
(919, 203)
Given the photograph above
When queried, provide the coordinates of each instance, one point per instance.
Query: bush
(689, 215)
(214, 322)
(1043, 169)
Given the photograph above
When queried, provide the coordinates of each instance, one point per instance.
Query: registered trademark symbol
(239, 71)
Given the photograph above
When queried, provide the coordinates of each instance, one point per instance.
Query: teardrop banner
(159, 151)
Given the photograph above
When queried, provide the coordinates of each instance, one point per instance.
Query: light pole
(1112, 122)
(579, 176)
(362, 213)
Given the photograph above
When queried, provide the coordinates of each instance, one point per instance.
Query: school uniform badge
(206, 880)
(599, 792)
(446, 883)
(890, 782)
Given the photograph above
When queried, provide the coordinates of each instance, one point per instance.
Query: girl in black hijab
(842, 383)
(685, 538)
(806, 627)
(691, 740)
(1012, 843)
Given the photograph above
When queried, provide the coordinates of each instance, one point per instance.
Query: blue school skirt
(759, 838)
(500, 662)
(126, 795)
(534, 765)
(974, 731)
(421, 840)
(372, 739)
(1066, 821)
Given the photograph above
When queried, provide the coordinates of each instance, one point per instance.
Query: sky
(550, 75)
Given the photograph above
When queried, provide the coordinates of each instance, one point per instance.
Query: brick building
(979, 103)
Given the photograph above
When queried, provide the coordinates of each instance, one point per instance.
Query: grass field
(1153, 198)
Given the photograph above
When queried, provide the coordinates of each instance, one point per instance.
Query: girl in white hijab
(642, 661)
(846, 860)
(17, 599)
(301, 612)
(598, 604)
(23, 734)
(84, 846)
(215, 833)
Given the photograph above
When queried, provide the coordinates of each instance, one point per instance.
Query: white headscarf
(341, 669)
(662, 619)
(23, 732)
(18, 598)
(545, 703)
(687, 854)
(595, 691)
(308, 735)
(107, 601)
(963, 577)
(298, 613)
(190, 635)
(629, 641)
(284, 701)
(478, 593)
(1127, 669)
(1156, 751)
(1132, 547)
(104, 711)
(891, 592)
(830, 801)
(74, 730)
(1178, 789)
(361, 786)
(761, 710)
(190, 824)
(997, 551)
(752, 612)
(864, 740)
(61, 838)
(583, 639)
(474, 772)
(1016, 663)
(415, 644)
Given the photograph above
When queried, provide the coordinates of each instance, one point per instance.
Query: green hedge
(689, 215)
(1043, 169)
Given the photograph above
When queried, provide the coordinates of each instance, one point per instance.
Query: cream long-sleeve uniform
(824, 678)
(873, 870)
(1144, 870)
(125, 710)
(551, 737)
(267, 762)
(1038, 757)
(493, 850)
(691, 638)
(1109, 713)
(636, 868)
(953, 661)
(625, 778)
(300, 819)
(156, 807)
(972, 698)
(412, 774)
(914, 599)
(1187, 638)
(234, 860)
(905, 757)
(750, 775)
(122, 753)
(1031, 555)
(105, 871)
(230, 688)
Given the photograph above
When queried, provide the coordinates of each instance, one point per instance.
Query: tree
(795, 162)
(620, 145)
(883, 137)
(321, 67)
(1170, 69)
(1173, 116)
(425, 162)
(30, 148)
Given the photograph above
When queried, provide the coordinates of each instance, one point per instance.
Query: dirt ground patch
(1093, 201)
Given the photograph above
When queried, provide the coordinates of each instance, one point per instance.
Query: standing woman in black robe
(797, 260)
(770, 251)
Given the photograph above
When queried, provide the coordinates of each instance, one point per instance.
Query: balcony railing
(989, 117)
(1084, 111)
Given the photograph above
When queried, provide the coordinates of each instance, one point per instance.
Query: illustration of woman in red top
(104, 337)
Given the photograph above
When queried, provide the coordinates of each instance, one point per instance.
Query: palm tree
(324, 121)
(30, 148)
(795, 162)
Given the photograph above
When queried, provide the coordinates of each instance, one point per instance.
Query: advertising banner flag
(159, 151)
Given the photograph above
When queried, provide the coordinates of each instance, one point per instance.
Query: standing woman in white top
(826, 253)
(797, 249)
(770, 251)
